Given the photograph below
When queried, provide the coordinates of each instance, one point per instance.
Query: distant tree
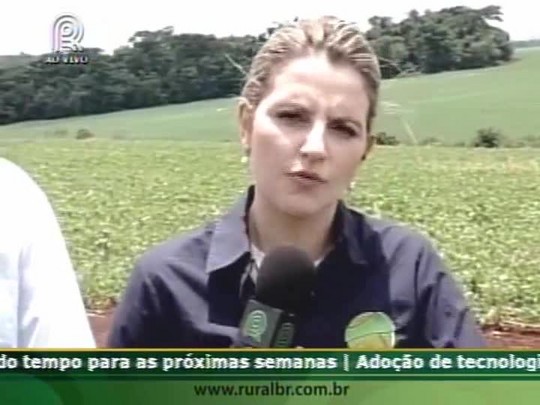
(161, 67)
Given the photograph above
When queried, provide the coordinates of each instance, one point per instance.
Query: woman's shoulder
(390, 232)
(401, 248)
(214, 244)
(185, 249)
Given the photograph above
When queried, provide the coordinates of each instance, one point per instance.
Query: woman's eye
(345, 129)
(291, 115)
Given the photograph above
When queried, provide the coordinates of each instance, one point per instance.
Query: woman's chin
(299, 207)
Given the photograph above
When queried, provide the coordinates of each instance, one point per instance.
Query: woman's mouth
(307, 178)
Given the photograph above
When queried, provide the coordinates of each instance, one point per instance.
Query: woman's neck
(270, 228)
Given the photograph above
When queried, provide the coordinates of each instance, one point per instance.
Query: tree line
(528, 43)
(160, 67)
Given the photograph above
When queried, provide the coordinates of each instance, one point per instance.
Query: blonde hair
(341, 41)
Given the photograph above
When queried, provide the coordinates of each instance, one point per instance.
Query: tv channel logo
(67, 35)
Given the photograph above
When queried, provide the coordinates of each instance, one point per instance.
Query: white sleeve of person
(40, 300)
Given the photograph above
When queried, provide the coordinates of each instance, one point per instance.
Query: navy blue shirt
(187, 292)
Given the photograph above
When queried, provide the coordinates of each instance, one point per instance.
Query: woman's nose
(314, 143)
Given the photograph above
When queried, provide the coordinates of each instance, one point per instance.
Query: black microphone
(284, 288)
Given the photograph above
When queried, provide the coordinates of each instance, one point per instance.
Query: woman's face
(308, 135)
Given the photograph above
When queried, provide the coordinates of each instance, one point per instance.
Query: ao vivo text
(75, 58)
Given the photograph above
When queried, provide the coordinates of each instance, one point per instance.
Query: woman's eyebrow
(292, 104)
(295, 98)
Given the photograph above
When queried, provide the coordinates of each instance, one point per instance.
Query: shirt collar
(351, 232)
(230, 241)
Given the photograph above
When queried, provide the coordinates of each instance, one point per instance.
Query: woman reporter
(306, 115)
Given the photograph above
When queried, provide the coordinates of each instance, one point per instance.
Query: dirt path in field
(512, 336)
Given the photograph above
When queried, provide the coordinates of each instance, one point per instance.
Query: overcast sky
(25, 25)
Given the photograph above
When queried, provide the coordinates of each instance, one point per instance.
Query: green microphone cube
(264, 326)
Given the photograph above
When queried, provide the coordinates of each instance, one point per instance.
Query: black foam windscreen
(286, 279)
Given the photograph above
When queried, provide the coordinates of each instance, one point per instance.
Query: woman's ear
(245, 119)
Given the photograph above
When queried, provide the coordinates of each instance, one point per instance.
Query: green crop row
(114, 199)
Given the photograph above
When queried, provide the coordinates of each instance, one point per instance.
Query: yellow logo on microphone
(370, 331)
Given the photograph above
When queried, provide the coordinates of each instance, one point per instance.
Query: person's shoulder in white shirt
(40, 300)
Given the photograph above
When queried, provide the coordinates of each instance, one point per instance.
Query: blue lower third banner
(271, 377)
